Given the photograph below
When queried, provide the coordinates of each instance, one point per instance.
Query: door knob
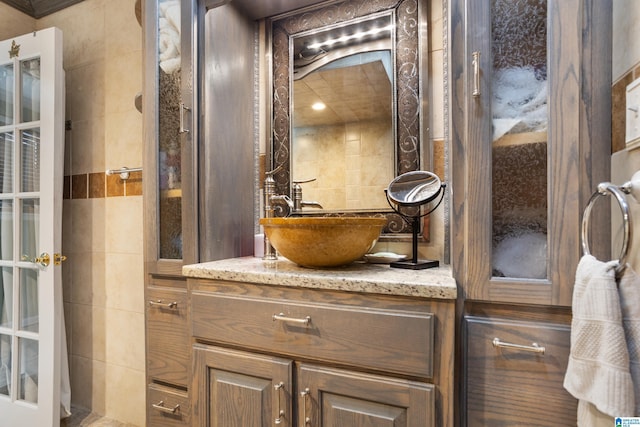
(43, 259)
(59, 258)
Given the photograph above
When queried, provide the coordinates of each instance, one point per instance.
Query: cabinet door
(169, 152)
(337, 398)
(514, 373)
(530, 141)
(238, 389)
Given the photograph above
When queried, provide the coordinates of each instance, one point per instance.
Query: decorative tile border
(100, 185)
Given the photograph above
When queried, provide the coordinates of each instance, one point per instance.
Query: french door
(31, 173)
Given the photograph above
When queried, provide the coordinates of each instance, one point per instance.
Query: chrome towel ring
(604, 189)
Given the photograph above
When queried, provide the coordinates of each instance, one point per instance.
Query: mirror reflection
(342, 122)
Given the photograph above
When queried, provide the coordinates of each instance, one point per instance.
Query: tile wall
(102, 226)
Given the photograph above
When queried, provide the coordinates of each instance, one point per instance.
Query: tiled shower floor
(83, 418)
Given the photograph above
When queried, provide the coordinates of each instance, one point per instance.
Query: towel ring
(603, 189)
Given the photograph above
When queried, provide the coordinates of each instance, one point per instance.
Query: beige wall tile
(86, 231)
(123, 224)
(125, 395)
(89, 284)
(125, 276)
(88, 331)
(125, 33)
(86, 144)
(85, 92)
(123, 136)
(83, 32)
(88, 381)
(14, 23)
(123, 80)
(125, 339)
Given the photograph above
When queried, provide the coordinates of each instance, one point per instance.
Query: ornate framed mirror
(396, 56)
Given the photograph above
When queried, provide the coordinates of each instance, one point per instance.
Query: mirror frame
(409, 64)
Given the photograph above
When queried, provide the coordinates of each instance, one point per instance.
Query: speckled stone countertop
(357, 277)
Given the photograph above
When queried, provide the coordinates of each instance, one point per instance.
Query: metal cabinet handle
(279, 388)
(159, 303)
(475, 62)
(160, 407)
(534, 347)
(305, 394)
(182, 110)
(281, 317)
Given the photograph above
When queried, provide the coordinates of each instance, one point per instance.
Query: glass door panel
(519, 147)
(29, 226)
(5, 364)
(30, 78)
(6, 230)
(6, 94)
(169, 155)
(30, 165)
(29, 319)
(28, 350)
(6, 162)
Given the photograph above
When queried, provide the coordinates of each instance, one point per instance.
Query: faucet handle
(274, 171)
(303, 181)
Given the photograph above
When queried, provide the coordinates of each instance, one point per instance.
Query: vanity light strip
(348, 37)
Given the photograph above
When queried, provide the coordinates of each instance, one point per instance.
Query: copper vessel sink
(323, 241)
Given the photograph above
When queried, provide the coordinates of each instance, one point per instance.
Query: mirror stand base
(418, 265)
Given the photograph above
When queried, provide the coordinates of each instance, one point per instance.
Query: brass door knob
(43, 259)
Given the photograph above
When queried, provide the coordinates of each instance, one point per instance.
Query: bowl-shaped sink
(323, 241)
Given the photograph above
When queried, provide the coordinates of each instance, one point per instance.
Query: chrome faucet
(269, 193)
(298, 203)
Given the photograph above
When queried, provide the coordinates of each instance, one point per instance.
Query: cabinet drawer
(515, 386)
(384, 339)
(167, 335)
(167, 407)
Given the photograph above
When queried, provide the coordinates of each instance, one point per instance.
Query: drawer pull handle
(534, 347)
(305, 394)
(281, 317)
(475, 62)
(160, 407)
(159, 303)
(279, 388)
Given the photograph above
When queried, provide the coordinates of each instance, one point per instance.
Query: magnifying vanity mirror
(412, 190)
(362, 61)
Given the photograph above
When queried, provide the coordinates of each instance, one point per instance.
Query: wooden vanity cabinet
(528, 185)
(342, 358)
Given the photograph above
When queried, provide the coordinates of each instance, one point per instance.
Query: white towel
(629, 288)
(598, 372)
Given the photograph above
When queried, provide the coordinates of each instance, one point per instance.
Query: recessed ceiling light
(319, 106)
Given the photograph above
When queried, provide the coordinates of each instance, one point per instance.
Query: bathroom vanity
(240, 342)
(274, 343)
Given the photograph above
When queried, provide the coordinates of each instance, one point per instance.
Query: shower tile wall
(102, 224)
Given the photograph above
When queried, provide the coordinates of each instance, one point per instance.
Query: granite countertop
(358, 277)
